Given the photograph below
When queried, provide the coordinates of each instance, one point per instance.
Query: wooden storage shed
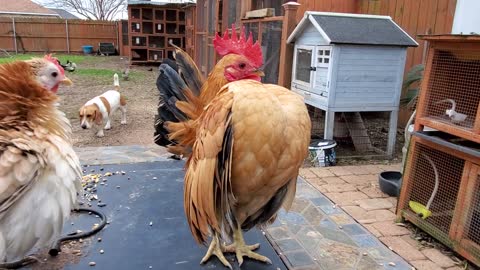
(350, 63)
(151, 26)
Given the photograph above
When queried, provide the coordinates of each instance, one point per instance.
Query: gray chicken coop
(350, 63)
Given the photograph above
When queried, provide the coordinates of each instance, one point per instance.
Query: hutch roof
(345, 28)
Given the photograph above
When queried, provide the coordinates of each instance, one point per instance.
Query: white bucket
(322, 153)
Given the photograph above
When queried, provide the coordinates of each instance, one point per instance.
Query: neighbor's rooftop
(25, 7)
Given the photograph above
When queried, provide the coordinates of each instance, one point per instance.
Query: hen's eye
(242, 65)
(54, 74)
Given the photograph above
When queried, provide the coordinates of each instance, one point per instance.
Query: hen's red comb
(242, 46)
(54, 60)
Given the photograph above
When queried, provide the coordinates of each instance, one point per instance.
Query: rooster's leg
(217, 249)
(241, 249)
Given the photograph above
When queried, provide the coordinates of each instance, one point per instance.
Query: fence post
(286, 50)
(14, 35)
(118, 38)
(68, 36)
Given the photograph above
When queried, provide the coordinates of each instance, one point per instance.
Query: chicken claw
(241, 249)
(217, 249)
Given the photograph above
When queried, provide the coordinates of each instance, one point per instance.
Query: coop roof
(344, 28)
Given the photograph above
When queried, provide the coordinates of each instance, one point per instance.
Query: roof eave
(372, 44)
(301, 25)
(353, 15)
(298, 28)
(412, 39)
(319, 29)
(30, 13)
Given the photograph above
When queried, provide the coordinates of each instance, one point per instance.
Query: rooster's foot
(217, 249)
(242, 250)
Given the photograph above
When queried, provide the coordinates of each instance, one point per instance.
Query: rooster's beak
(259, 73)
(66, 81)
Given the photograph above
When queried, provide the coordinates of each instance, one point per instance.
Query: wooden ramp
(358, 132)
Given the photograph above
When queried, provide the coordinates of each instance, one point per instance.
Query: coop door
(304, 66)
(322, 64)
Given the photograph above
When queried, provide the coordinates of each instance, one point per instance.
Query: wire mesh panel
(357, 134)
(434, 181)
(469, 228)
(271, 40)
(441, 190)
(453, 87)
(449, 97)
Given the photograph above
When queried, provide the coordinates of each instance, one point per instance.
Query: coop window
(147, 14)
(171, 15)
(135, 13)
(303, 65)
(159, 15)
(135, 27)
(323, 57)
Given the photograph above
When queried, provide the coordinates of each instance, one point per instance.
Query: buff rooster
(39, 171)
(245, 143)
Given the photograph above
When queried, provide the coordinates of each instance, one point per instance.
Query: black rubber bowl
(390, 183)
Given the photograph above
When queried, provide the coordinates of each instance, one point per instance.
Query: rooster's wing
(251, 141)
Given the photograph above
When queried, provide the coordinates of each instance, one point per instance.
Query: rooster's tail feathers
(116, 82)
(171, 88)
(179, 84)
(188, 70)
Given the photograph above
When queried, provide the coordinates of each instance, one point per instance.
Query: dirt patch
(72, 252)
(142, 99)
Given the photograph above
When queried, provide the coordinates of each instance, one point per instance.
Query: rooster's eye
(54, 74)
(242, 66)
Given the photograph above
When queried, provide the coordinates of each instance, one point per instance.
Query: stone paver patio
(355, 190)
(339, 220)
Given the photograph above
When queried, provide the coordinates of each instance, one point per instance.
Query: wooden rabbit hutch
(345, 64)
(452, 73)
(152, 25)
(441, 184)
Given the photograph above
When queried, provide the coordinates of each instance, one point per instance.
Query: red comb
(242, 46)
(54, 60)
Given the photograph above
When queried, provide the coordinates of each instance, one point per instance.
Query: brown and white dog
(97, 111)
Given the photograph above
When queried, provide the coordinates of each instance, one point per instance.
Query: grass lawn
(82, 62)
(62, 57)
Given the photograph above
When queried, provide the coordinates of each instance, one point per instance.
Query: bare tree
(92, 9)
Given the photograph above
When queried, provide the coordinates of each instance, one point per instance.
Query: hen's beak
(258, 72)
(66, 81)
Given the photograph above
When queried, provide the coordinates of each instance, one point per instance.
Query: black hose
(56, 246)
(73, 236)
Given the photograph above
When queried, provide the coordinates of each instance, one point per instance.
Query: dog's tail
(116, 82)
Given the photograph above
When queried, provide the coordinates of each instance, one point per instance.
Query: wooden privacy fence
(23, 35)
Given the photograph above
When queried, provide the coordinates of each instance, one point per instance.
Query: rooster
(39, 171)
(69, 66)
(245, 143)
(48, 72)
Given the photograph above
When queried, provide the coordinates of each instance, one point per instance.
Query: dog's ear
(98, 117)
